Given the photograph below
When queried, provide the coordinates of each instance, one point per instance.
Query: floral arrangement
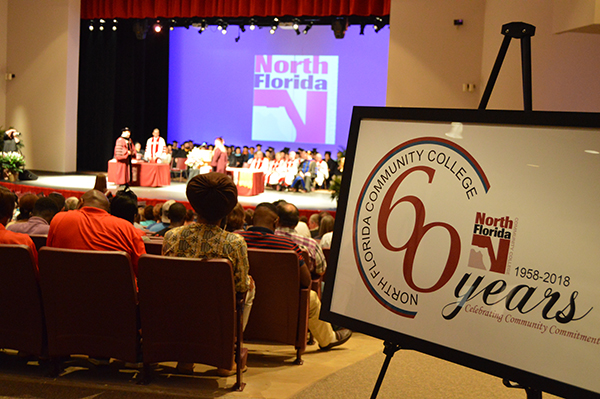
(335, 187)
(12, 161)
(198, 158)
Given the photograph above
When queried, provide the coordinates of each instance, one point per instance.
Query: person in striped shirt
(262, 235)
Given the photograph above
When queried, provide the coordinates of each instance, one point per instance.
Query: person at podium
(124, 149)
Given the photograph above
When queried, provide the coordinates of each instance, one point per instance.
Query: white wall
(3, 54)
(565, 67)
(430, 58)
(43, 53)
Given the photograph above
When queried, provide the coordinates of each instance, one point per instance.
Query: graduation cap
(286, 150)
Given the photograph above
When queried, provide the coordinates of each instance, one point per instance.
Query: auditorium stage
(314, 201)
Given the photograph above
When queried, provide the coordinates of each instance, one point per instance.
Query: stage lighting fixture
(378, 24)
(242, 28)
(252, 24)
(91, 27)
(274, 26)
(307, 28)
(223, 27)
(114, 28)
(339, 27)
(362, 29)
(296, 26)
(101, 27)
(101, 24)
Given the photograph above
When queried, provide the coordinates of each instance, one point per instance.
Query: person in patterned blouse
(212, 195)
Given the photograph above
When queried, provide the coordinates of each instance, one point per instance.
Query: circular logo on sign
(401, 250)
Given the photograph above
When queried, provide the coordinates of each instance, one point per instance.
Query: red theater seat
(188, 313)
(22, 324)
(90, 301)
(280, 309)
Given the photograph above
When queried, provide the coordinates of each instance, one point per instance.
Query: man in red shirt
(7, 206)
(92, 227)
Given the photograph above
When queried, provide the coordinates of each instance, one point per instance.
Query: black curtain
(123, 82)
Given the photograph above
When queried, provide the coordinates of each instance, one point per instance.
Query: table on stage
(249, 182)
(145, 174)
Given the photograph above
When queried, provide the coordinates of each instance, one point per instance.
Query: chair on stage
(22, 325)
(280, 309)
(191, 313)
(90, 301)
(39, 240)
(154, 246)
(179, 166)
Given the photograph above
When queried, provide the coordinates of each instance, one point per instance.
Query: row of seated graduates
(298, 343)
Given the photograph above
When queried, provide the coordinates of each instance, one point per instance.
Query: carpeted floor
(342, 373)
(411, 375)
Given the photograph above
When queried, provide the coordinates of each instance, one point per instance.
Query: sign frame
(345, 210)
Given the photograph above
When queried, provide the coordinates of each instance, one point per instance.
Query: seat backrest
(39, 240)
(280, 310)
(154, 246)
(22, 325)
(187, 309)
(90, 301)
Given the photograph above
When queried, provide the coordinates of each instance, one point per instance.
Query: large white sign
(478, 237)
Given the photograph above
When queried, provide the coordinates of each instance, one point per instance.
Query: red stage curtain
(91, 9)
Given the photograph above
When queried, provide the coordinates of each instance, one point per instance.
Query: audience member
(176, 214)
(288, 219)
(313, 225)
(164, 218)
(71, 203)
(326, 231)
(26, 204)
(125, 206)
(190, 217)
(41, 216)
(148, 216)
(59, 199)
(213, 196)
(302, 228)
(248, 215)
(7, 206)
(235, 219)
(92, 227)
(261, 235)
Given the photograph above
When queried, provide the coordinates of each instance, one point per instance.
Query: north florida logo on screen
(295, 98)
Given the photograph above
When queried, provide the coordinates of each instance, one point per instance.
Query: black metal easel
(389, 350)
(517, 30)
(531, 393)
(523, 31)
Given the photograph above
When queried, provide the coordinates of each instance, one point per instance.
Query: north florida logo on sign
(394, 257)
